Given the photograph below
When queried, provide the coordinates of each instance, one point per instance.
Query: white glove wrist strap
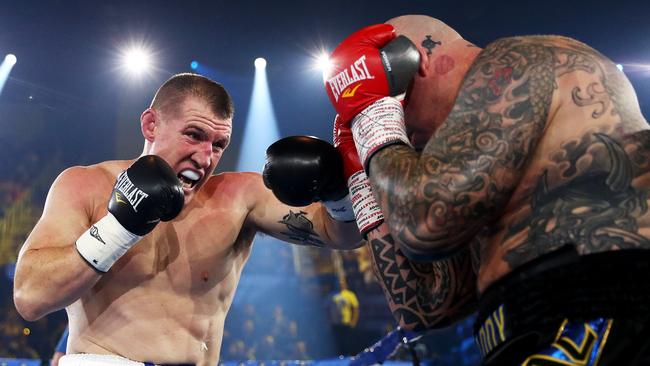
(380, 124)
(105, 242)
(366, 209)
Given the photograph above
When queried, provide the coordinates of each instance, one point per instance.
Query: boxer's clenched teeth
(188, 178)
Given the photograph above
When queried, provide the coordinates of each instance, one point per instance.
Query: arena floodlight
(323, 64)
(280, 283)
(5, 69)
(137, 60)
(11, 59)
(641, 69)
(260, 63)
(261, 123)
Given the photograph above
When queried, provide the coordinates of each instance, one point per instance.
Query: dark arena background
(78, 74)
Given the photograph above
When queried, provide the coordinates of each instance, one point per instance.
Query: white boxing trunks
(89, 359)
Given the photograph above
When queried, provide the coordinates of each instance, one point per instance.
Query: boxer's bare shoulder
(72, 203)
(91, 184)
(235, 184)
(92, 178)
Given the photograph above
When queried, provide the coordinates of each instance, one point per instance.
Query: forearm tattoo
(423, 295)
(300, 229)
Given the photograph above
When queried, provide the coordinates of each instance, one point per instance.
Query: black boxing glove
(304, 169)
(144, 194)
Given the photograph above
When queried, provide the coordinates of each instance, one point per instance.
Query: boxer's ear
(148, 123)
(423, 68)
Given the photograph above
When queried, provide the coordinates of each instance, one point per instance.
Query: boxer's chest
(201, 251)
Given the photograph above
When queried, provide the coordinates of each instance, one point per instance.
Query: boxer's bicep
(298, 225)
(437, 201)
(309, 225)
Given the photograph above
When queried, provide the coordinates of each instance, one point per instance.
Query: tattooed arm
(309, 225)
(437, 201)
(422, 296)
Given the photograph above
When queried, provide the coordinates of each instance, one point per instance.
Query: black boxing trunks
(566, 309)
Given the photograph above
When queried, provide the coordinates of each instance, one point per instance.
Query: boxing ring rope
(381, 350)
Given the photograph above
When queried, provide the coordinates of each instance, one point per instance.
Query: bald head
(426, 32)
(445, 59)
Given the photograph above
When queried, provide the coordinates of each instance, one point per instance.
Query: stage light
(261, 124)
(137, 60)
(635, 69)
(323, 64)
(194, 65)
(5, 69)
(270, 277)
(10, 59)
(260, 63)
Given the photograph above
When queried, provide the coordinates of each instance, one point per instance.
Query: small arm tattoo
(300, 229)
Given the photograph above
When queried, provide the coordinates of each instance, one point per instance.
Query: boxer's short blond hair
(181, 86)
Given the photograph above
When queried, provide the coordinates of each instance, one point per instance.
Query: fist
(146, 193)
(303, 169)
(369, 65)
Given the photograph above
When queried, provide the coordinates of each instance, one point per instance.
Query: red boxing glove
(370, 66)
(366, 209)
(357, 77)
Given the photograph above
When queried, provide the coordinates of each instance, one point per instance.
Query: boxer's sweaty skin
(545, 146)
(169, 294)
(166, 299)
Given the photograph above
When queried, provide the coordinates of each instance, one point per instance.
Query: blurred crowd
(267, 334)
